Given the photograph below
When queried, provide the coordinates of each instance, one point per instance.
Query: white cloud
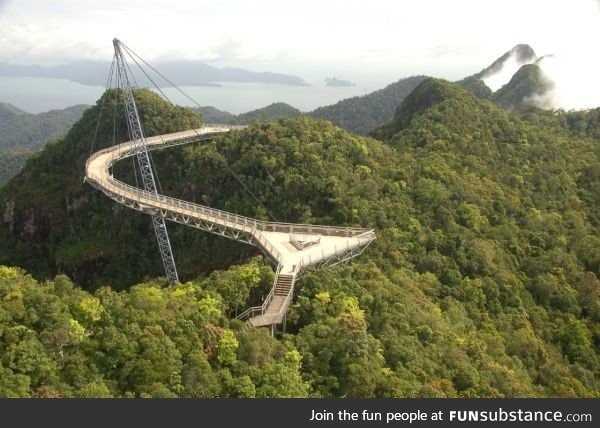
(574, 79)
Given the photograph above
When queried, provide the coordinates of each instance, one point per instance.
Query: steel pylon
(136, 134)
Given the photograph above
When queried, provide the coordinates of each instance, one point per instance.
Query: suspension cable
(131, 52)
(249, 191)
(133, 55)
(150, 79)
(114, 128)
(107, 87)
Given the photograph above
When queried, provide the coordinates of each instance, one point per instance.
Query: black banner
(285, 413)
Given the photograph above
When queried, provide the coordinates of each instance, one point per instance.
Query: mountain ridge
(522, 54)
(526, 86)
(272, 112)
(9, 111)
(362, 113)
(22, 134)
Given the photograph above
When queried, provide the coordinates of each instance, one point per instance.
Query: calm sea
(37, 95)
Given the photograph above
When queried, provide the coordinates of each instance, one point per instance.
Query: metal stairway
(275, 305)
(283, 291)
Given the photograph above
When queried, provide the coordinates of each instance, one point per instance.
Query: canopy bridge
(291, 247)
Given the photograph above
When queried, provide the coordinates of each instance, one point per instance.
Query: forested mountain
(483, 281)
(22, 133)
(361, 114)
(55, 223)
(9, 112)
(476, 86)
(527, 85)
(214, 115)
(270, 113)
(32, 131)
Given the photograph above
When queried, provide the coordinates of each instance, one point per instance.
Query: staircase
(284, 285)
(275, 304)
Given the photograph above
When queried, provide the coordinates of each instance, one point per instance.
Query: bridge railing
(311, 229)
(189, 136)
(226, 219)
(312, 258)
(164, 202)
(127, 149)
(268, 247)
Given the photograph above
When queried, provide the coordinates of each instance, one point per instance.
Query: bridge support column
(283, 323)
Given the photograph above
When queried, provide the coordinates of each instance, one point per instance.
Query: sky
(383, 40)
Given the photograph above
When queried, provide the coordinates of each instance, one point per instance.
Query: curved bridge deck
(292, 247)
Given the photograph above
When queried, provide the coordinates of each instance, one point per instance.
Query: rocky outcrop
(9, 214)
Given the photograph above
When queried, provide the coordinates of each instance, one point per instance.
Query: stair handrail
(260, 310)
(290, 294)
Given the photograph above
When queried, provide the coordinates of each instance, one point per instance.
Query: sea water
(36, 94)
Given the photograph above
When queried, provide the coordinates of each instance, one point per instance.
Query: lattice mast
(136, 134)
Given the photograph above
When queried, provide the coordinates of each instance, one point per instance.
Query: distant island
(185, 73)
(334, 81)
